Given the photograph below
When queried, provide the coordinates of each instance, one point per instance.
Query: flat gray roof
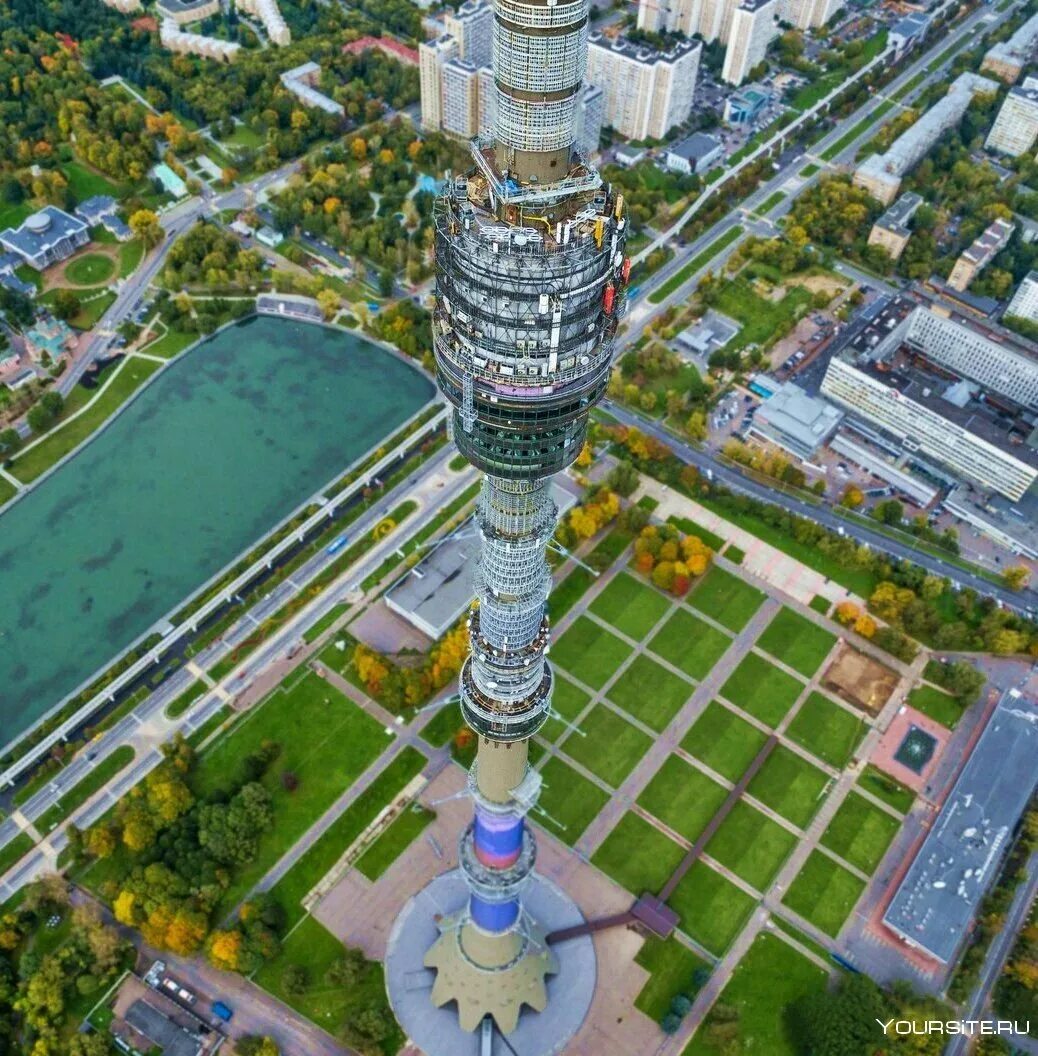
(797, 421)
(173, 1039)
(938, 899)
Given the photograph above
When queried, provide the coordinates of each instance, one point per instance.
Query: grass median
(700, 260)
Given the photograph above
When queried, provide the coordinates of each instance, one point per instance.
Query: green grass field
(770, 202)
(20, 846)
(791, 786)
(682, 797)
(824, 893)
(650, 692)
(321, 855)
(689, 643)
(566, 593)
(762, 321)
(796, 641)
(589, 650)
(751, 845)
(630, 606)
(7, 491)
(766, 981)
(130, 256)
(85, 182)
(569, 800)
(829, 731)
(392, 843)
(607, 745)
(90, 269)
(712, 909)
(883, 787)
(940, 706)
(637, 855)
(726, 598)
(569, 701)
(723, 740)
(672, 966)
(860, 833)
(680, 277)
(326, 741)
(689, 527)
(821, 604)
(85, 788)
(170, 344)
(13, 213)
(761, 689)
(70, 434)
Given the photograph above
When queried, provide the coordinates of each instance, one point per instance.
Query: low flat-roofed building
(881, 465)
(795, 421)
(937, 901)
(975, 258)
(707, 334)
(743, 107)
(694, 154)
(627, 156)
(302, 82)
(171, 182)
(909, 31)
(1024, 304)
(891, 231)
(434, 594)
(46, 237)
(170, 1038)
(184, 11)
(1010, 524)
(49, 337)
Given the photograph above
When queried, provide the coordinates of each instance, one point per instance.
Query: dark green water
(211, 455)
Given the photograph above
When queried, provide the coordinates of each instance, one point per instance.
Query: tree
(329, 302)
(66, 304)
(256, 1045)
(1016, 577)
(623, 478)
(696, 425)
(842, 1023)
(145, 225)
(294, 980)
(852, 497)
(349, 969)
(10, 441)
(92, 1044)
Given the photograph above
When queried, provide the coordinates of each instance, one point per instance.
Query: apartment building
(468, 43)
(269, 14)
(460, 98)
(1024, 304)
(1007, 59)
(1016, 127)
(754, 26)
(891, 231)
(980, 254)
(183, 42)
(645, 92)
(472, 26)
(433, 55)
(184, 11)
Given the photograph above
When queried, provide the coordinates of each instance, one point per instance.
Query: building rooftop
(172, 1039)
(642, 53)
(796, 421)
(41, 230)
(896, 218)
(1019, 47)
(92, 209)
(938, 899)
(697, 146)
(913, 25)
(987, 246)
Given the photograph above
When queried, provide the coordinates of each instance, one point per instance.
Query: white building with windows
(1016, 127)
(646, 92)
(1024, 304)
(269, 14)
(755, 24)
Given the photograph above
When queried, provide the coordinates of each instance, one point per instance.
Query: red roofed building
(387, 45)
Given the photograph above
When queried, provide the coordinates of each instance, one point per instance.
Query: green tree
(66, 304)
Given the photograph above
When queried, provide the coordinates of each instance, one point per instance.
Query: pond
(222, 446)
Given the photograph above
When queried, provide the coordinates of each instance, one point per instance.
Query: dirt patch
(860, 680)
(822, 284)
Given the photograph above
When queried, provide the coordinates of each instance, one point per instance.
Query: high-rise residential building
(487, 100)
(1024, 304)
(472, 26)
(460, 98)
(713, 19)
(433, 55)
(590, 118)
(1016, 127)
(979, 254)
(754, 27)
(881, 174)
(530, 285)
(808, 14)
(1007, 59)
(646, 92)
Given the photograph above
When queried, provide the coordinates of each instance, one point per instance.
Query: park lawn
(796, 641)
(89, 314)
(770, 977)
(761, 689)
(85, 182)
(177, 707)
(682, 797)
(394, 840)
(726, 598)
(690, 643)
(829, 731)
(14, 850)
(568, 591)
(790, 785)
(170, 344)
(315, 949)
(570, 801)
(751, 845)
(762, 321)
(724, 741)
(443, 725)
(637, 855)
(673, 967)
(697, 263)
(824, 893)
(884, 787)
(71, 433)
(326, 741)
(328, 848)
(7, 491)
(83, 789)
(244, 136)
(568, 701)
(940, 706)
(860, 833)
(607, 745)
(588, 650)
(130, 256)
(821, 604)
(712, 909)
(13, 213)
(649, 692)
(89, 269)
(630, 606)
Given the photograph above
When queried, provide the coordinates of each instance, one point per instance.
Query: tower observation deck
(531, 280)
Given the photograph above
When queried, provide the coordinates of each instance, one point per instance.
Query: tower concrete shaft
(530, 285)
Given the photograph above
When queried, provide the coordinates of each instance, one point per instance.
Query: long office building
(646, 92)
(1016, 127)
(1007, 59)
(937, 902)
(530, 286)
(1024, 304)
(881, 174)
(754, 27)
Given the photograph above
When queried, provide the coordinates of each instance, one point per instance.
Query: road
(736, 481)
(998, 953)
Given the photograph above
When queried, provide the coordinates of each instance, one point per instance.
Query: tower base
(424, 926)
